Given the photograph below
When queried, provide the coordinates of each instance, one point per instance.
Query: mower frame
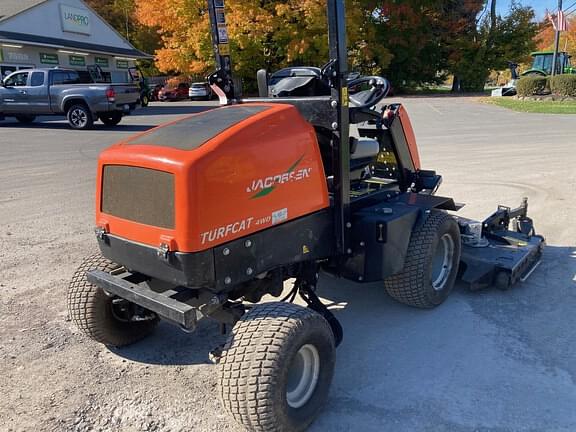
(364, 235)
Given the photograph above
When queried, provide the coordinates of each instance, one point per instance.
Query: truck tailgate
(126, 94)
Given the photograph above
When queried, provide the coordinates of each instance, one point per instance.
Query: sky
(539, 6)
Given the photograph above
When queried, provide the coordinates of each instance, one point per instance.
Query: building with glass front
(62, 33)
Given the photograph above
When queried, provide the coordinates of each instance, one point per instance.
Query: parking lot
(486, 361)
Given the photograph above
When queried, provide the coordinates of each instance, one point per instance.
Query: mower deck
(504, 260)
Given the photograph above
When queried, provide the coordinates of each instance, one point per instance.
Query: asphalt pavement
(485, 361)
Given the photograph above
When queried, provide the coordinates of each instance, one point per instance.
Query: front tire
(277, 367)
(431, 264)
(93, 311)
(80, 117)
(144, 100)
(112, 119)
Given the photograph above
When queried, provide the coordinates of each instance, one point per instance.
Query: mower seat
(363, 151)
(365, 148)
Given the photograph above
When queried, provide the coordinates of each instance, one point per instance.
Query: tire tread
(407, 287)
(247, 366)
(85, 301)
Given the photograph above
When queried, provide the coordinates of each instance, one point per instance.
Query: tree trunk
(456, 85)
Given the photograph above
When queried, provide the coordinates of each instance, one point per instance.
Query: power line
(570, 7)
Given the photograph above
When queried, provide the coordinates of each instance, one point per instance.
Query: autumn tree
(546, 34)
(262, 33)
(409, 41)
(490, 43)
(120, 14)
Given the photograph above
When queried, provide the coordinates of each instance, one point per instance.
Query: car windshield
(198, 86)
(543, 62)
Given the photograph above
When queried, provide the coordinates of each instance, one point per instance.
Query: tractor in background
(542, 64)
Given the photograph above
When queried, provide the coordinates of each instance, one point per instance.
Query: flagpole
(556, 39)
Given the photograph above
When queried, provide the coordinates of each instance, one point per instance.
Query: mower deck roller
(206, 215)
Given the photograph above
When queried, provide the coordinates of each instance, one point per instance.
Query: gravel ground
(488, 361)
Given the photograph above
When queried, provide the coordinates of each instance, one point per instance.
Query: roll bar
(338, 107)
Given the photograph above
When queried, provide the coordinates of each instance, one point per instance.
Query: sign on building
(76, 60)
(47, 58)
(101, 61)
(75, 20)
(122, 64)
(17, 57)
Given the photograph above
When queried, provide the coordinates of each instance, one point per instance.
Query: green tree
(491, 44)
(412, 31)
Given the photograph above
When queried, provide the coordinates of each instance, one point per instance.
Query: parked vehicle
(200, 90)
(542, 64)
(29, 93)
(180, 92)
(137, 76)
(155, 91)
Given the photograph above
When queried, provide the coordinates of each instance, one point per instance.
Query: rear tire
(431, 264)
(277, 367)
(26, 119)
(112, 119)
(80, 117)
(92, 311)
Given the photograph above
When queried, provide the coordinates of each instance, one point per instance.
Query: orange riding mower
(206, 216)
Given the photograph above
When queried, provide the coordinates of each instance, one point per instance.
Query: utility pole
(556, 39)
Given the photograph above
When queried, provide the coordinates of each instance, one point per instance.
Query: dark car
(179, 92)
(155, 91)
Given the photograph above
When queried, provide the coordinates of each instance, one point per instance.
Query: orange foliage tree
(272, 33)
(545, 37)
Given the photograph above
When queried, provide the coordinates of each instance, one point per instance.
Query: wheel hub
(442, 262)
(78, 117)
(303, 375)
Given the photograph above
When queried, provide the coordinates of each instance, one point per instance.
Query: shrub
(563, 85)
(532, 85)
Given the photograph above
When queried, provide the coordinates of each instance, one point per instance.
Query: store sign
(122, 64)
(17, 57)
(51, 59)
(101, 61)
(75, 20)
(77, 60)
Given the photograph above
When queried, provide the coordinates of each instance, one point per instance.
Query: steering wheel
(365, 99)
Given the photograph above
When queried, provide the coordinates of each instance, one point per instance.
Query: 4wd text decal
(263, 186)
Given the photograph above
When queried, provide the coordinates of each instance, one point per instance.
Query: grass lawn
(546, 107)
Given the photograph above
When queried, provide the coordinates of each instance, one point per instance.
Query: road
(487, 361)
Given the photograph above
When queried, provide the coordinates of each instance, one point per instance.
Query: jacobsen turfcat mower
(204, 216)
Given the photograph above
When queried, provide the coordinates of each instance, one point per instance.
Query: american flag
(558, 21)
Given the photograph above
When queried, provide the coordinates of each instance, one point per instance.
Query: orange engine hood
(210, 178)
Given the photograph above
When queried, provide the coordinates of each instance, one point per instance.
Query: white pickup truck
(29, 93)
